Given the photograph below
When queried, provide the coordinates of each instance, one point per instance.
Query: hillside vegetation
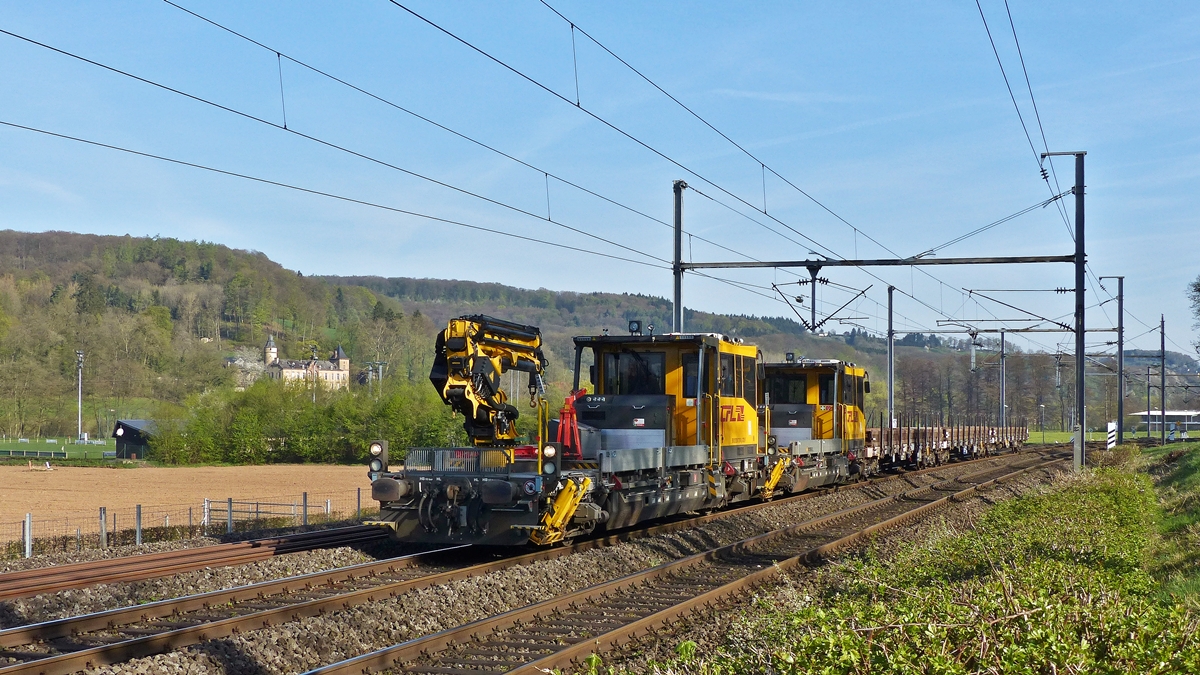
(1094, 574)
(173, 330)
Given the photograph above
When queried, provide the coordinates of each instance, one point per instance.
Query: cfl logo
(733, 413)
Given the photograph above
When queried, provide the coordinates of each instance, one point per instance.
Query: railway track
(26, 583)
(560, 632)
(113, 636)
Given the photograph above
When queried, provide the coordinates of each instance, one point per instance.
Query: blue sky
(893, 115)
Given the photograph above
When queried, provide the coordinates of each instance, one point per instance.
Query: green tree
(89, 296)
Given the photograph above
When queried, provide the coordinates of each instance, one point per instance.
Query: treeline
(272, 421)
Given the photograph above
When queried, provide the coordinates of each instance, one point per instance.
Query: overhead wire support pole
(1080, 281)
(677, 267)
(891, 363)
(813, 271)
(1162, 377)
(1120, 357)
(1003, 398)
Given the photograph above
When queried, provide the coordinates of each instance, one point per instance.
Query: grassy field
(74, 452)
(1065, 436)
(1098, 573)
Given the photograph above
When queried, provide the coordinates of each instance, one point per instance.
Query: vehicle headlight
(548, 451)
(376, 449)
(376, 465)
(548, 467)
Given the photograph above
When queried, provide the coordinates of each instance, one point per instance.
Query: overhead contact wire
(330, 195)
(333, 146)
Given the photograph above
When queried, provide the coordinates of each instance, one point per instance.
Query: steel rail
(35, 581)
(376, 574)
(546, 637)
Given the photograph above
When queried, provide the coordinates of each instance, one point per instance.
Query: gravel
(73, 602)
(314, 641)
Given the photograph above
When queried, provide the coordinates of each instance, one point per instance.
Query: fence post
(103, 527)
(304, 510)
(328, 507)
(137, 524)
(189, 521)
(229, 520)
(206, 515)
(358, 510)
(78, 539)
(28, 527)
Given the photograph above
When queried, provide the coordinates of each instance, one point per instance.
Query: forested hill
(175, 329)
(561, 311)
(159, 320)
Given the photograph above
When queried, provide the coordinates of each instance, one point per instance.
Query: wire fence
(143, 524)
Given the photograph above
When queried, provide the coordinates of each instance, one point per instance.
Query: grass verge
(1092, 575)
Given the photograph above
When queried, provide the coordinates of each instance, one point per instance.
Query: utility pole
(1080, 281)
(79, 381)
(677, 268)
(1162, 374)
(891, 365)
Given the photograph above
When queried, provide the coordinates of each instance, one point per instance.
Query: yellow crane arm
(471, 355)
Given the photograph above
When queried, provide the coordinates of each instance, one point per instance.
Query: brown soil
(70, 490)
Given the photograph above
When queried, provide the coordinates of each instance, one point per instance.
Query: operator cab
(813, 410)
(691, 394)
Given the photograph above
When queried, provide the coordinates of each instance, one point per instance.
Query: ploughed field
(74, 490)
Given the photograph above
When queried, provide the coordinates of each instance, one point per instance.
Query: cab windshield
(635, 373)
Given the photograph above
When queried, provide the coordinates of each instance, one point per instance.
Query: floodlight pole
(79, 382)
(677, 309)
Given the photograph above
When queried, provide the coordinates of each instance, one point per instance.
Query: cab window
(790, 390)
(635, 373)
(728, 376)
(828, 393)
(749, 379)
(691, 363)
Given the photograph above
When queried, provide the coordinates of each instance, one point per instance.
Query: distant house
(333, 373)
(133, 438)
(1183, 420)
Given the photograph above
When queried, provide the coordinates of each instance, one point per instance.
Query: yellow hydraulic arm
(558, 516)
(773, 478)
(471, 355)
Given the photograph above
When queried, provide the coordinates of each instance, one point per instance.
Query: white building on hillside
(333, 373)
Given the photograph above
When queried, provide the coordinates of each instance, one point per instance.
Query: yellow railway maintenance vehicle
(813, 423)
(671, 426)
(672, 423)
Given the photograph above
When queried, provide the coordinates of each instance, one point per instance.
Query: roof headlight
(376, 448)
(376, 465)
(548, 451)
(548, 467)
